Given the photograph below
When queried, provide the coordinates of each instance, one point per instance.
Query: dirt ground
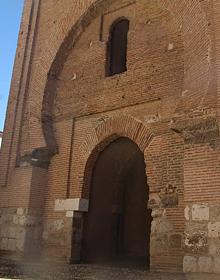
(47, 271)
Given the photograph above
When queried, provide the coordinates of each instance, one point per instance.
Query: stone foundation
(20, 231)
(202, 238)
(62, 236)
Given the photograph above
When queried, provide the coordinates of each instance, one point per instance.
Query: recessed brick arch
(102, 136)
(193, 24)
(148, 141)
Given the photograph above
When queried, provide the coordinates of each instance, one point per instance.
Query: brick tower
(113, 119)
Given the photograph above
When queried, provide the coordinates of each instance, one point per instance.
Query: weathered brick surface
(63, 111)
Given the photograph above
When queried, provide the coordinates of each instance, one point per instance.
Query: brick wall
(63, 111)
(1, 135)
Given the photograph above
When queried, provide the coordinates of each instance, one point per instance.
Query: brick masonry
(1, 135)
(63, 111)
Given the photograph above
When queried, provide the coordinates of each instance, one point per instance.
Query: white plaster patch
(73, 78)
(158, 212)
(63, 204)
(69, 214)
(20, 245)
(15, 220)
(152, 118)
(200, 212)
(214, 230)
(170, 46)
(187, 213)
(189, 264)
(184, 93)
(20, 211)
(75, 204)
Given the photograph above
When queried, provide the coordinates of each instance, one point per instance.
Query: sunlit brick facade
(64, 110)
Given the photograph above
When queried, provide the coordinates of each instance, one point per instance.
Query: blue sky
(10, 16)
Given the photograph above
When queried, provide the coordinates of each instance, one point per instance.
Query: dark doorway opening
(117, 225)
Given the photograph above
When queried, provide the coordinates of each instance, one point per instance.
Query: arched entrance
(117, 225)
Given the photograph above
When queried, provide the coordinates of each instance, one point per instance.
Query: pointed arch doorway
(117, 226)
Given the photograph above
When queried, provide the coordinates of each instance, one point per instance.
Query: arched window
(117, 47)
